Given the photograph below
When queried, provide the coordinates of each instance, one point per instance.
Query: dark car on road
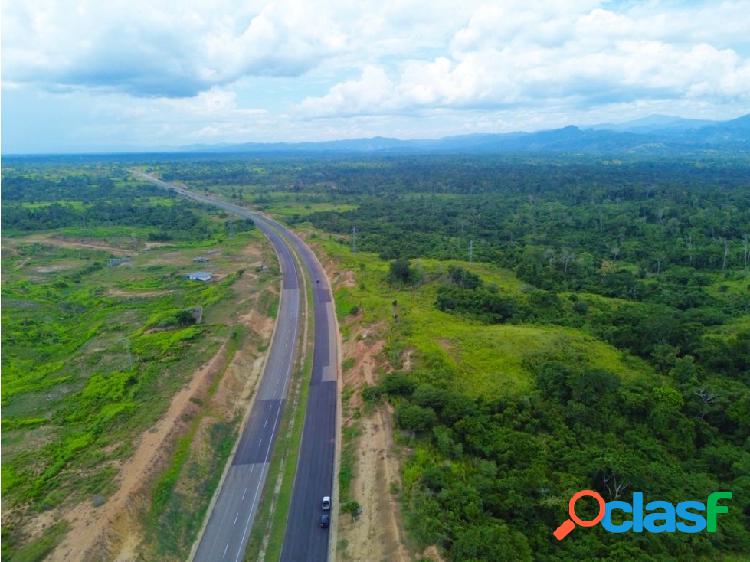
(325, 520)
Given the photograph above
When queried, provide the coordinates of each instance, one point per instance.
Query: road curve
(229, 525)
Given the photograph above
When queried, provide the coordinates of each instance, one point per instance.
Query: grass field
(485, 359)
(302, 209)
(99, 333)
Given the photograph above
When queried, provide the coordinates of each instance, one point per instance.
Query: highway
(314, 478)
(225, 536)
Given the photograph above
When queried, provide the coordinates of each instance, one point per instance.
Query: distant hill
(656, 134)
(655, 124)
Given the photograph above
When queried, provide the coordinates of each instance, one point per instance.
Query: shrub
(415, 418)
(372, 393)
(351, 507)
(398, 384)
(464, 278)
(402, 273)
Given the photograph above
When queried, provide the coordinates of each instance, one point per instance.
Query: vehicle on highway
(325, 520)
(326, 505)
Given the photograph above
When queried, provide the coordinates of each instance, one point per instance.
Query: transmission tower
(354, 239)
(471, 251)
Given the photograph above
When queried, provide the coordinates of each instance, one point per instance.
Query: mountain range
(655, 134)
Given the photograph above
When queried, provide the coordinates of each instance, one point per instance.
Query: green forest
(595, 315)
(651, 258)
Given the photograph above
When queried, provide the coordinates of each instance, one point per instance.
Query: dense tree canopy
(652, 257)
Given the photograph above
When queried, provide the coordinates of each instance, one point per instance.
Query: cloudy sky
(138, 74)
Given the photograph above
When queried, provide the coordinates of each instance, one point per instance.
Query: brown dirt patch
(52, 268)
(447, 345)
(174, 258)
(136, 294)
(342, 279)
(252, 251)
(150, 245)
(78, 243)
(263, 325)
(377, 533)
(407, 360)
(433, 553)
(93, 529)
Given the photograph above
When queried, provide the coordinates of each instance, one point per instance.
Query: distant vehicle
(326, 505)
(317, 280)
(325, 520)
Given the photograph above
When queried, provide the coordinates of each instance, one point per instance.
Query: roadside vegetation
(100, 329)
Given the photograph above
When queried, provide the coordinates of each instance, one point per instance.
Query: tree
(398, 384)
(490, 542)
(401, 273)
(463, 278)
(415, 418)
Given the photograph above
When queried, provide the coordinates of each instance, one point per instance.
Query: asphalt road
(304, 539)
(226, 534)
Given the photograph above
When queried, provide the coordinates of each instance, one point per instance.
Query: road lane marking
(225, 550)
(249, 516)
(273, 432)
(243, 494)
(235, 518)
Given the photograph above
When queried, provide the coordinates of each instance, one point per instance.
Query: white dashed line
(247, 523)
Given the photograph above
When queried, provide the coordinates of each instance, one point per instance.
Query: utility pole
(126, 340)
(354, 239)
(471, 251)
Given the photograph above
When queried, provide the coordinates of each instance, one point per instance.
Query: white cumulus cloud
(169, 72)
(174, 48)
(541, 52)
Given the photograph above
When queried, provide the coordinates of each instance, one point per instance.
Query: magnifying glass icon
(569, 524)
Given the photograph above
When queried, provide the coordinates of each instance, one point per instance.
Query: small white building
(200, 276)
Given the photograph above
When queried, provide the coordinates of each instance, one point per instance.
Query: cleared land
(123, 384)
